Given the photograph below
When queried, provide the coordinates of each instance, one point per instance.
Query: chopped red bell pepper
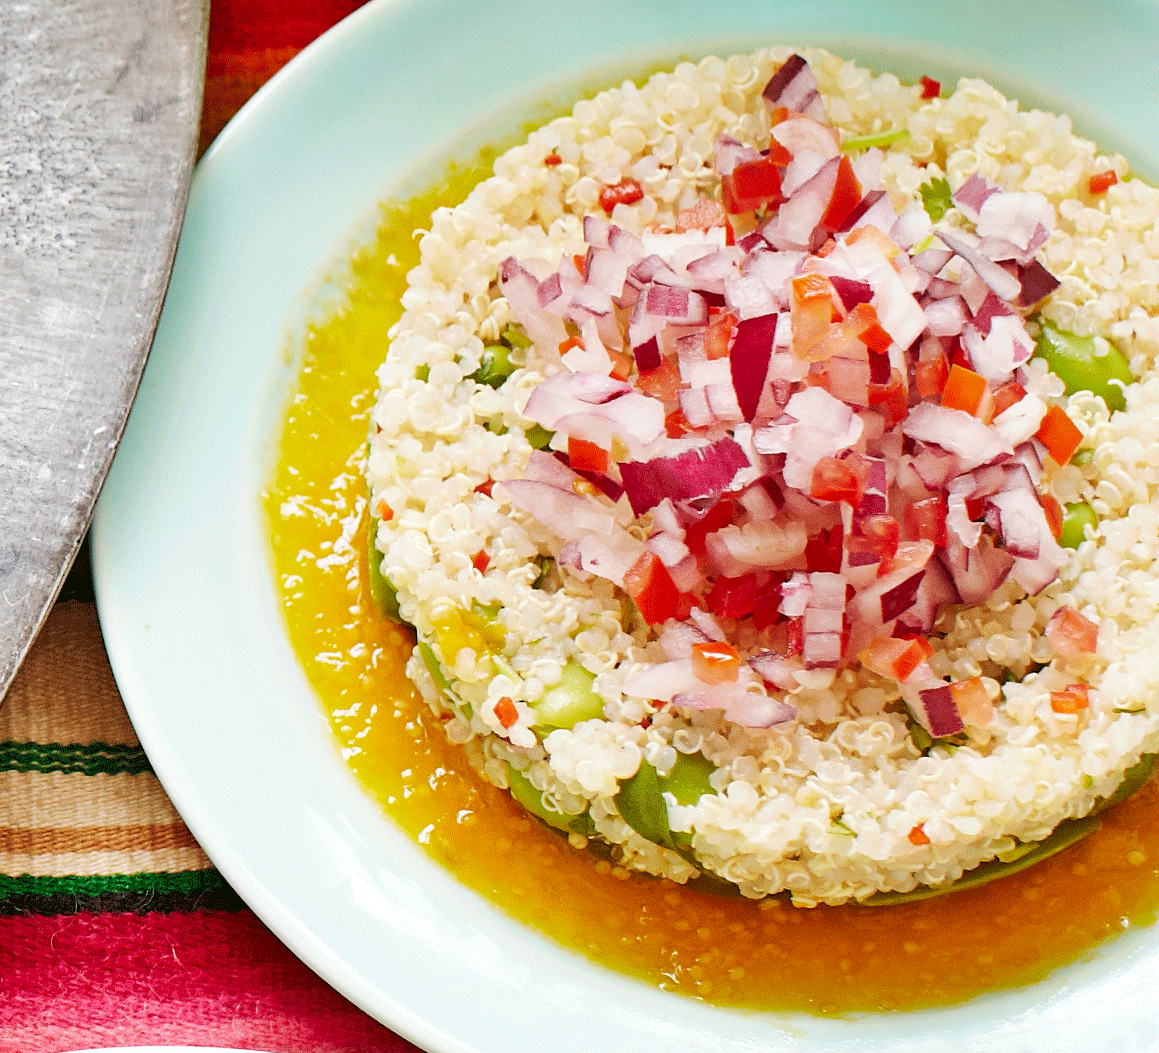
(964, 390)
(1072, 634)
(676, 424)
(1005, 396)
(1059, 434)
(716, 518)
(930, 376)
(1070, 699)
(811, 310)
(715, 662)
(625, 192)
(1101, 182)
(1054, 514)
(926, 520)
(751, 185)
(663, 382)
(972, 700)
(893, 397)
(823, 551)
(718, 335)
(505, 712)
(838, 480)
(651, 586)
(734, 597)
(621, 365)
(845, 198)
(586, 456)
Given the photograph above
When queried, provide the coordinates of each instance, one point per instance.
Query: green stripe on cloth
(157, 893)
(84, 758)
(185, 883)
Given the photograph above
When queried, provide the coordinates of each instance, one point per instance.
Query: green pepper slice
(569, 700)
(1076, 516)
(531, 799)
(1073, 360)
(382, 592)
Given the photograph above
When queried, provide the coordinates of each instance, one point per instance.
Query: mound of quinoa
(821, 806)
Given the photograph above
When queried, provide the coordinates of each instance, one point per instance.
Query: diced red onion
(1016, 216)
(676, 639)
(586, 389)
(977, 572)
(748, 358)
(797, 134)
(935, 710)
(694, 406)
(822, 650)
(1036, 283)
(698, 472)
(565, 513)
(898, 312)
(851, 291)
(911, 227)
(1017, 423)
(794, 86)
(723, 403)
(1021, 522)
(750, 296)
(946, 317)
(729, 152)
(610, 556)
(1001, 281)
(963, 435)
(795, 595)
(972, 194)
(996, 355)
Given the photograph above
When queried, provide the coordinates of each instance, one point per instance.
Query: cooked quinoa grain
(822, 806)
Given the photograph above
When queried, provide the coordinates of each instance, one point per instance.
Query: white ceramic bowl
(180, 556)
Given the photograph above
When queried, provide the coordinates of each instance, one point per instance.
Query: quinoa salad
(767, 459)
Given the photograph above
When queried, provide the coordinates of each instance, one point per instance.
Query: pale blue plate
(183, 575)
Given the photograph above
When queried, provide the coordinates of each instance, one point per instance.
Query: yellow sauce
(730, 951)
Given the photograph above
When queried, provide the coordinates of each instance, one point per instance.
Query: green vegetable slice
(1073, 360)
(514, 336)
(936, 198)
(883, 139)
(531, 799)
(382, 592)
(643, 807)
(1134, 779)
(688, 780)
(1076, 516)
(1022, 856)
(495, 366)
(538, 436)
(570, 700)
(432, 664)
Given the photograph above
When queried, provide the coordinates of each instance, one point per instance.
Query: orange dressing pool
(725, 950)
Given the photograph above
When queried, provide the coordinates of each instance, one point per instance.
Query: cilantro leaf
(936, 198)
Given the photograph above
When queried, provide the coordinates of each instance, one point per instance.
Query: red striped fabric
(205, 978)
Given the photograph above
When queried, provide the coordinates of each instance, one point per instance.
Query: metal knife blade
(99, 108)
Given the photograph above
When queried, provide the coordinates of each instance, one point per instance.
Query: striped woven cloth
(115, 928)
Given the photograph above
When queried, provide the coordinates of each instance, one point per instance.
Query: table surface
(115, 928)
